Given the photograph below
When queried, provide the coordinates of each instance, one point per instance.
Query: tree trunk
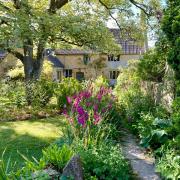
(32, 70)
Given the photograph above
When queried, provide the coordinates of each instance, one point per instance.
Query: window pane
(117, 74)
(114, 74)
(59, 75)
(110, 74)
(118, 58)
(70, 72)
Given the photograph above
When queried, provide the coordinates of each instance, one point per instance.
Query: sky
(151, 42)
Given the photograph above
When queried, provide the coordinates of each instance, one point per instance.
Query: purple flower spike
(110, 106)
(97, 118)
(95, 107)
(88, 104)
(80, 110)
(104, 110)
(76, 103)
(83, 118)
(99, 97)
(69, 100)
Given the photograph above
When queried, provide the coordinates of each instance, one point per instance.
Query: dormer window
(113, 57)
(86, 59)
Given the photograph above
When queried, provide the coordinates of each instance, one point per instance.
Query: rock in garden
(74, 168)
(49, 172)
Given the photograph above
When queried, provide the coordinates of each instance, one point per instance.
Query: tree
(98, 64)
(171, 28)
(32, 25)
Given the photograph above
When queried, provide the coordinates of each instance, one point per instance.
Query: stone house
(86, 64)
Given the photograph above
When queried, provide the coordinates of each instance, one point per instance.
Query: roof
(129, 46)
(2, 54)
(72, 52)
(56, 62)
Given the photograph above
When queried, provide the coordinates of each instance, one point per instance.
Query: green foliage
(131, 98)
(155, 139)
(12, 94)
(169, 164)
(52, 156)
(151, 66)
(103, 162)
(171, 26)
(176, 116)
(40, 92)
(153, 131)
(100, 81)
(57, 156)
(67, 87)
(6, 168)
(17, 73)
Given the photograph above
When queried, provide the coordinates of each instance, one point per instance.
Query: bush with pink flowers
(87, 113)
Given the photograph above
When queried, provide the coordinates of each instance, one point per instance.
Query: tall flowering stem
(87, 110)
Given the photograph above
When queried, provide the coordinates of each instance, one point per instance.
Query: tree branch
(109, 11)
(68, 41)
(3, 22)
(16, 54)
(17, 4)
(5, 7)
(56, 4)
(148, 10)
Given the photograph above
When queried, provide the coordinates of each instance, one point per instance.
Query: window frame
(59, 74)
(68, 73)
(113, 58)
(113, 74)
(86, 59)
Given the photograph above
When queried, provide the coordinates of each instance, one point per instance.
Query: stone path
(141, 164)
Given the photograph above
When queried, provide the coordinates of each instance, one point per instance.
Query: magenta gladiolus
(74, 97)
(76, 103)
(104, 110)
(95, 107)
(64, 112)
(80, 110)
(99, 97)
(97, 118)
(110, 106)
(69, 100)
(88, 104)
(83, 118)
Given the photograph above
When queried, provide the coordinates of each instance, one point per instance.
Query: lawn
(28, 137)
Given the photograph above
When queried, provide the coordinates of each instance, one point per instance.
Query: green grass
(28, 137)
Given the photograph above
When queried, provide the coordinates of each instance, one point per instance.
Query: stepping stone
(141, 163)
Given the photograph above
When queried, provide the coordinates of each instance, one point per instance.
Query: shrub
(40, 92)
(156, 134)
(132, 99)
(57, 156)
(67, 87)
(151, 67)
(100, 81)
(176, 116)
(16, 73)
(103, 162)
(53, 156)
(169, 164)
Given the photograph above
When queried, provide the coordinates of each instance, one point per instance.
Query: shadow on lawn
(16, 144)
